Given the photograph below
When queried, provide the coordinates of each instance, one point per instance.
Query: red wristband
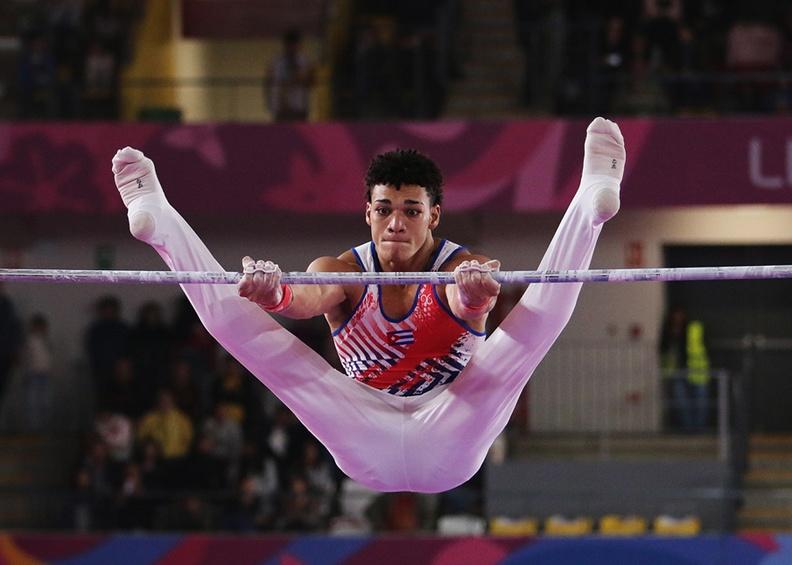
(480, 309)
(285, 300)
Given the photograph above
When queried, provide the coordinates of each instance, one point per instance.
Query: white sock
(140, 190)
(603, 166)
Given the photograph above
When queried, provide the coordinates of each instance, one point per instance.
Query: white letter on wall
(755, 167)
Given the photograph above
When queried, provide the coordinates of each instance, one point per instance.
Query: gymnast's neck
(419, 261)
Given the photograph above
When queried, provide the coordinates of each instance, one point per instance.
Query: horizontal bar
(445, 277)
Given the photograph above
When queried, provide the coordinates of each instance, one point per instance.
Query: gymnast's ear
(368, 213)
(434, 216)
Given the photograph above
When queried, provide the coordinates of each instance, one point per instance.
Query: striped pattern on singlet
(408, 356)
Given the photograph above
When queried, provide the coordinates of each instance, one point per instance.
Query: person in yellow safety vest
(684, 360)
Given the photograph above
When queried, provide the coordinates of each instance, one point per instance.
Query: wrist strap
(285, 302)
(486, 307)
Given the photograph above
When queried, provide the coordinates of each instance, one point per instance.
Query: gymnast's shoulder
(343, 263)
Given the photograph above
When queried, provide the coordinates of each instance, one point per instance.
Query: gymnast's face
(401, 221)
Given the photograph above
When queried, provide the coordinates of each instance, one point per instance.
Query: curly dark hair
(405, 167)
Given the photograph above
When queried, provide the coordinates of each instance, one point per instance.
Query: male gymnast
(424, 395)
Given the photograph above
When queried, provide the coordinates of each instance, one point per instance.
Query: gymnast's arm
(475, 293)
(261, 284)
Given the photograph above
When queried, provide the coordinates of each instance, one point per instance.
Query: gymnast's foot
(603, 167)
(140, 190)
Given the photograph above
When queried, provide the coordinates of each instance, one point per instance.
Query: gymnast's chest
(381, 307)
(397, 301)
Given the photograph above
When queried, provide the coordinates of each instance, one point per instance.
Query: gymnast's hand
(261, 282)
(475, 285)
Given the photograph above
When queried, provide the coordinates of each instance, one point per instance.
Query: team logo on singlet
(401, 337)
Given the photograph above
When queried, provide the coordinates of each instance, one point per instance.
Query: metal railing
(599, 386)
(611, 387)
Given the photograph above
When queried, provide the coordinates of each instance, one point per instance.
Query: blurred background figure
(11, 339)
(289, 80)
(542, 34)
(106, 341)
(172, 431)
(685, 364)
(117, 432)
(299, 509)
(38, 373)
(150, 347)
(37, 79)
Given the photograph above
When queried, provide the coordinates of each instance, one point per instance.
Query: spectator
(378, 83)
(122, 392)
(754, 45)
(663, 48)
(68, 37)
(38, 362)
(289, 81)
(116, 431)
(150, 460)
(661, 37)
(172, 431)
(106, 341)
(685, 364)
(103, 21)
(247, 511)
(11, 339)
(104, 474)
(100, 83)
(267, 484)
(96, 480)
(150, 346)
(285, 440)
(422, 53)
(234, 388)
(224, 435)
(354, 500)
(205, 471)
(134, 506)
(82, 508)
(319, 475)
(299, 507)
(36, 78)
(186, 393)
(541, 31)
(616, 60)
(194, 344)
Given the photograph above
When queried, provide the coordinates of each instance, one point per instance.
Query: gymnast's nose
(396, 222)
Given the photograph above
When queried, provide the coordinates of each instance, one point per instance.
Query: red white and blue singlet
(408, 356)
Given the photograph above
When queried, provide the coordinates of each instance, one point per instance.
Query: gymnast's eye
(413, 212)
(382, 211)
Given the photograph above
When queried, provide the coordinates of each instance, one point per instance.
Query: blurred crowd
(656, 56)
(399, 60)
(184, 438)
(70, 56)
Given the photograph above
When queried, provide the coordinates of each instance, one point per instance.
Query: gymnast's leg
(483, 397)
(339, 411)
(544, 310)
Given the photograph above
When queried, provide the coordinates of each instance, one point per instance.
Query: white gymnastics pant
(427, 443)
